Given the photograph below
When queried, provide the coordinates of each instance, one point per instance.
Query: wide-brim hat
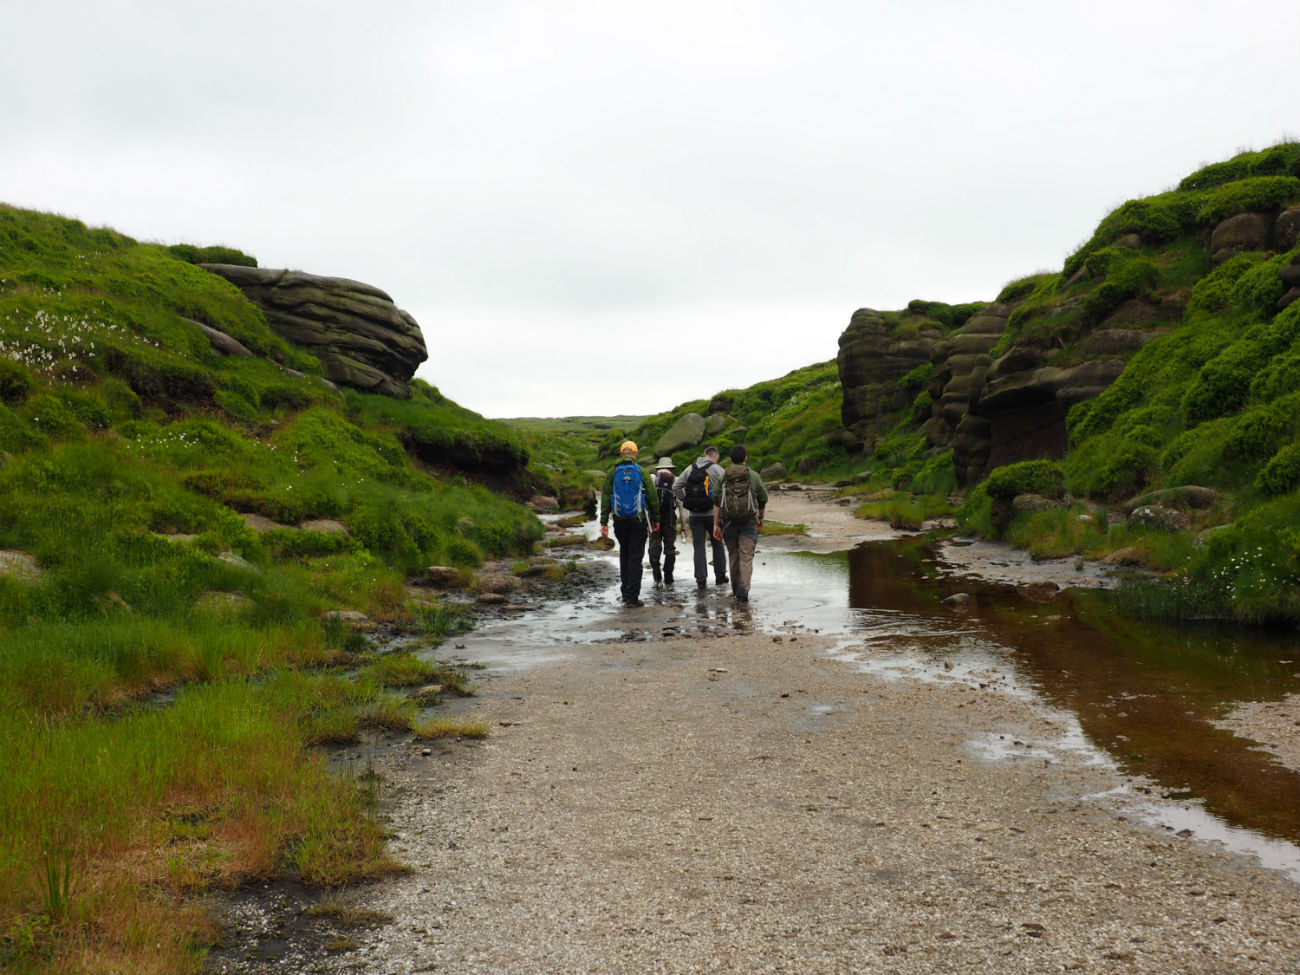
(665, 464)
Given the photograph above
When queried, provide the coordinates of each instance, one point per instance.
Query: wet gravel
(742, 804)
(699, 795)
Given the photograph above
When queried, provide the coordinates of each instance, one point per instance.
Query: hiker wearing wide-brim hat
(629, 497)
(663, 541)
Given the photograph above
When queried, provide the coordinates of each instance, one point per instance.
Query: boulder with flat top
(363, 340)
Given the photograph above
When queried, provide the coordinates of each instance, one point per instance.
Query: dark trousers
(631, 534)
(701, 536)
(665, 541)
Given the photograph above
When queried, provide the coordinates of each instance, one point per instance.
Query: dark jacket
(715, 482)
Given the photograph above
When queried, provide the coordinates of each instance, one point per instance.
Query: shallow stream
(1135, 697)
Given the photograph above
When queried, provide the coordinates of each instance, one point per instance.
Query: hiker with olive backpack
(738, 517)
(629, 496)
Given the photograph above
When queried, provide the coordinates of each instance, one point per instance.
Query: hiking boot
(722, 581)
(632, 602)
(701, 584)
(742, 595)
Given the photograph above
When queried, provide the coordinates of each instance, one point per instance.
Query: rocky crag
(363, 340)
(995, 382)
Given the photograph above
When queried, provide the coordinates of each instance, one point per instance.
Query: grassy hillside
(565, 450)
(782, 419)
(1213, 401)
(134, 461)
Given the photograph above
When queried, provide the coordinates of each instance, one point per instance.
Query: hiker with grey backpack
(630, 498)
(697, 489)
(738, 518)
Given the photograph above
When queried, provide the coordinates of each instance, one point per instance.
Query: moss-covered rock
(685, 433)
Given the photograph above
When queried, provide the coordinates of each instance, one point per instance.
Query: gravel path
(751, 803)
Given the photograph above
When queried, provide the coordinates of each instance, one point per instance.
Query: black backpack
(667, 502)
(696, 490)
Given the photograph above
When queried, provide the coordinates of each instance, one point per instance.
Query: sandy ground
(751, 802)
(1274, 725)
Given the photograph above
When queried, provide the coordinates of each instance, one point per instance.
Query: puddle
(1139, 697)
(1189, 819)
(1143, 695)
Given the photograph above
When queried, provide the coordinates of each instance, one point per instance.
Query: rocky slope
(1003, 381)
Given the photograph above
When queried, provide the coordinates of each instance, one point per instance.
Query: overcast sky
(604, 208)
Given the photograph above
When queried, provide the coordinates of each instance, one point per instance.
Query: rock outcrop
(362, 339)
(873, 356)
(19, 565)
(1240, 232)
(991, 401)
(1002, 382)
(686, 432)
(961, 360)
(717, 422)
(1001, 378)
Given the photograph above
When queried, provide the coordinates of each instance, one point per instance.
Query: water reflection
(1143, 696)
(1146, 694)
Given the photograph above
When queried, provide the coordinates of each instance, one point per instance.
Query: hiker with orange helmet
(629, 497)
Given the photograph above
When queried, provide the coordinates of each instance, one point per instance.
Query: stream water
(1136, 697)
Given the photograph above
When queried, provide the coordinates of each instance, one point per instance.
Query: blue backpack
(627, 500)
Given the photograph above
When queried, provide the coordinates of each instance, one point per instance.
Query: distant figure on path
(665, 539)
(627, 495)
(697, 488)
(737, 518)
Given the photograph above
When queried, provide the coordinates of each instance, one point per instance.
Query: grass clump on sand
(452, 728)
(780, 528)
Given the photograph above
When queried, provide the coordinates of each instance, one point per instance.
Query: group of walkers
(723, 510)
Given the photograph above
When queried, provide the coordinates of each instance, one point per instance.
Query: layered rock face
(991, 411)
(961, 362)
(362, 339)
(871, 360)
(1017, 403)
(996, 400)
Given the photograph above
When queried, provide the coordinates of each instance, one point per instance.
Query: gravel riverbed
(755, 801)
